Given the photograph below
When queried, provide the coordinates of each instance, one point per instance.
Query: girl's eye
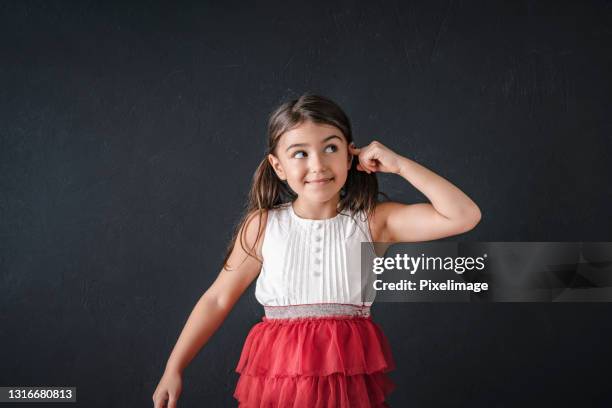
(335, 148)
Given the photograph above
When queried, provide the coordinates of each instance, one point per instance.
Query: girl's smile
(320, 182)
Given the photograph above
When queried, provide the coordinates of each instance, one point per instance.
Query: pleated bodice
(314, 261)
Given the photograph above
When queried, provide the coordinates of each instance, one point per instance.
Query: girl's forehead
(310, 132)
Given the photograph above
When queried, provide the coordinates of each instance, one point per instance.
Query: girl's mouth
(323, 181)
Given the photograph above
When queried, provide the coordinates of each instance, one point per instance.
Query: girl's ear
(276, 166)
(350, 158)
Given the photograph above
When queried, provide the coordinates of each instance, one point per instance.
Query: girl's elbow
(477, 215)
(471, 219)
(475, 218)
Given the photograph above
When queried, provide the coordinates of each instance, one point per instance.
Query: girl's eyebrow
(306, 144)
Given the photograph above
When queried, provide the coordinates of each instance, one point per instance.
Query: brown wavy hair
(359, 193)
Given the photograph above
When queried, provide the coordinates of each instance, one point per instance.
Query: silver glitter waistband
(316, 310)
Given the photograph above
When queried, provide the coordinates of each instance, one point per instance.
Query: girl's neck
(316, 210)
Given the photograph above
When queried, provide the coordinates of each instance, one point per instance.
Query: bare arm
(450, 212)
(216, 303)
(203, 322)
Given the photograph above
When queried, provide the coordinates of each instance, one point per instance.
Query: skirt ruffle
(315, 362)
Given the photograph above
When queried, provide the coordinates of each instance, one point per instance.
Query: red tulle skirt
(315, 362)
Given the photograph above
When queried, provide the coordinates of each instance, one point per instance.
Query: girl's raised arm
(212, 309)
(450, 212)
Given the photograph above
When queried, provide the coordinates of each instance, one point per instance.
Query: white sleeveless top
(314, 261)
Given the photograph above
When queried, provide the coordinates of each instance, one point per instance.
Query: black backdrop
(129, 134)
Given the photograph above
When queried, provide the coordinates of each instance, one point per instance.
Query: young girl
(310, 207)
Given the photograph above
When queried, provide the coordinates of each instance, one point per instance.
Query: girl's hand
(376, 157)
(168, 390)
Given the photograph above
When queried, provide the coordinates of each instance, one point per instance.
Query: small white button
(318, 226)
(317, 273)
(317, 261)
(317, 249)
(317, 239)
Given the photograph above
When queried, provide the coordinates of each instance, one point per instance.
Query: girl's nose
(317, 162)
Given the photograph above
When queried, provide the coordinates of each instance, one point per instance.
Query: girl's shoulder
(263, 218)
(255, 229)
(279, 211)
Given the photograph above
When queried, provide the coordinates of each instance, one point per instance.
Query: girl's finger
(373, 164)
(370, 166)
(364, 168)
(365, 163)
(361, 168)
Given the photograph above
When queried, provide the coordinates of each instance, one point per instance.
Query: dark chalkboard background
(129, 134)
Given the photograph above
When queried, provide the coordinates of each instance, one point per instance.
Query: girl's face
(311, 152)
